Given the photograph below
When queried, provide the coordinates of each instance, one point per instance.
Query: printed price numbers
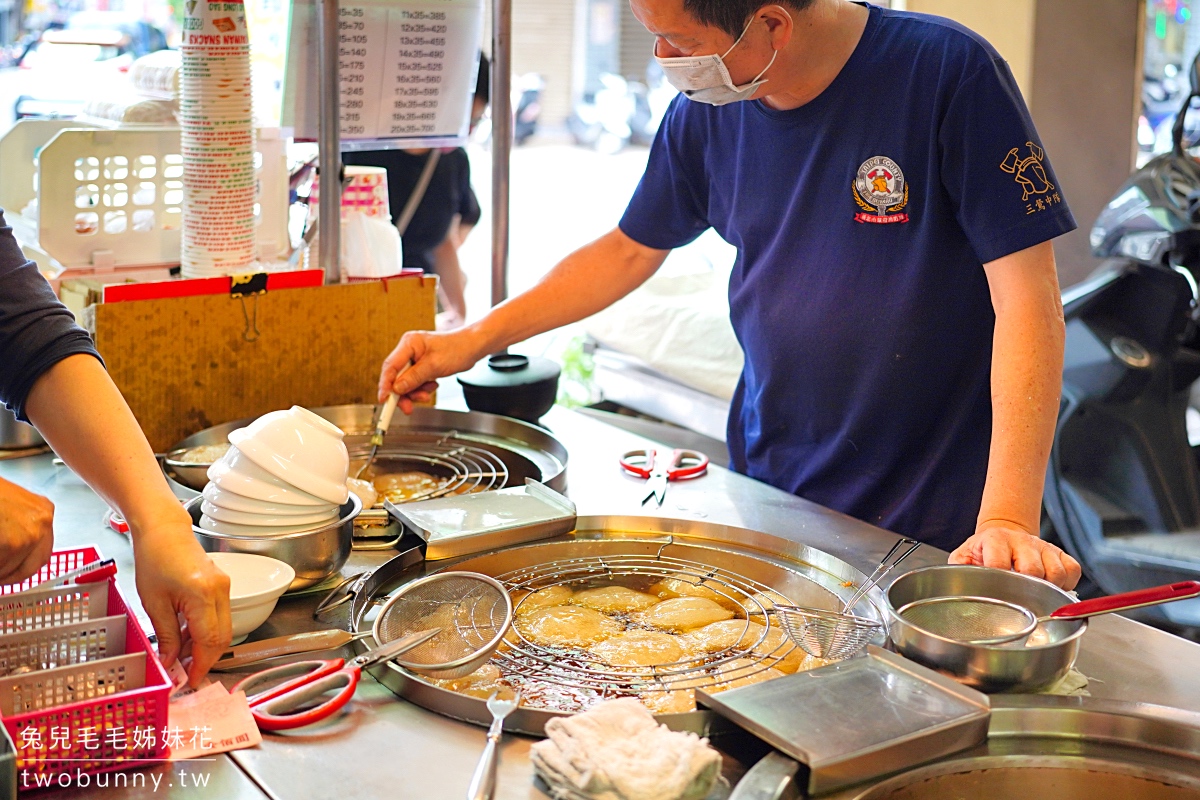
(409, 130)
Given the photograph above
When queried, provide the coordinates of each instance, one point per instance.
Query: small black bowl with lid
(512, 385)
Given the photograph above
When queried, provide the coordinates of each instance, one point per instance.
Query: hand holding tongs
(385, 421)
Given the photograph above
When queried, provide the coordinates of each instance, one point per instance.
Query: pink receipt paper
(210, 721)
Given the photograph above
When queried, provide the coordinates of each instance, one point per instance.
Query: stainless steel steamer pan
(805, 575)
(529, 441)
(1060, 747)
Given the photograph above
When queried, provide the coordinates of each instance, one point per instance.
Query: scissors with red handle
(659, 470)
(275, 695)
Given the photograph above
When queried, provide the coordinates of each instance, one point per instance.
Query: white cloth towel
(616, 751)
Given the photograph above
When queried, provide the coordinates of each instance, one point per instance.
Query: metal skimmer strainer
(473, 612)
(837, 635)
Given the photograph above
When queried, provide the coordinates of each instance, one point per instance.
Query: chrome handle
(483, 782)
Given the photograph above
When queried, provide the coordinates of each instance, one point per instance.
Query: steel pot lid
(509, 370)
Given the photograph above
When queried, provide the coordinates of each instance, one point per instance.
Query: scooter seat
(1177, 546)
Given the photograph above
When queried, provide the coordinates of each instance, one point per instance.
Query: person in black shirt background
(446, 212)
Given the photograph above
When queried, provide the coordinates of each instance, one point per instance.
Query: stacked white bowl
(286, 472)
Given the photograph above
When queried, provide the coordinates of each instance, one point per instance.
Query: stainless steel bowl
(989, 668)
(189, 473)
(314, 554)
(17, 435)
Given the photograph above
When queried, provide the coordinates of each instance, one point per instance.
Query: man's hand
(26, 532)
(433, 356)
(178, 582)
(1008, 547)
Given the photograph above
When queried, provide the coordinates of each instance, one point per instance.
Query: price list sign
(408, 71)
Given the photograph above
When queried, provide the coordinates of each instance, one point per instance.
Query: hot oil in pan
(451, 467)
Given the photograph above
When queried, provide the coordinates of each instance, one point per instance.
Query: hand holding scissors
(293, 686)
(659, 470)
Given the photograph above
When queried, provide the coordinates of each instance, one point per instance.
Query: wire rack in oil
(578, 669)
(460, 466)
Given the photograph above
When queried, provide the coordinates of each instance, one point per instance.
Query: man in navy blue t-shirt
(895, 289)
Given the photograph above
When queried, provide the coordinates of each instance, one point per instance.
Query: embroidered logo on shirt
(1028, 171)
(880, 191)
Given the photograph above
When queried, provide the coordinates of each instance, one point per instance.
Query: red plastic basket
(94, 735)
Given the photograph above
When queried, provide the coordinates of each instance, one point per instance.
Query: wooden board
(184, 364)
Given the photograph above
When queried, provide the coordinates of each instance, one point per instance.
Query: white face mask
(705, 79)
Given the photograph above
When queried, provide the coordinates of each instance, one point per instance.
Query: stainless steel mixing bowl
(314, 554)
(190, 474)
(1012, 667)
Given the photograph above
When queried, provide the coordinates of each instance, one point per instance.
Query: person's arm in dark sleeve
(51, 374)
(36, 330)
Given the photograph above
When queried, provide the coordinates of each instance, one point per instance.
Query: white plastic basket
(112, 198)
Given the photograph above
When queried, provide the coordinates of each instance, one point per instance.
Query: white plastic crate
(112, 198)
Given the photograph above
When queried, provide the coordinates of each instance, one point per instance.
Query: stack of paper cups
(217, 140)
(365, 191)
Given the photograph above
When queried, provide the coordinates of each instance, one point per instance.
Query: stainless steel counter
(385, 747)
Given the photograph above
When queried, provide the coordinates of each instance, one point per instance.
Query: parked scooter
(602, 119)
(1123, 487)
(528, 89)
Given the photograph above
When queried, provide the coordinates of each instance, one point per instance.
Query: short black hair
(731, 15)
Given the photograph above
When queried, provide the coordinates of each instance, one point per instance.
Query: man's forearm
(79, 411)
(590, 279)
(1027, 362)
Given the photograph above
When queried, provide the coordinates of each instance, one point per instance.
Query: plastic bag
(370, 247)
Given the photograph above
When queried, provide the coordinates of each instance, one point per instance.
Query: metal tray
(858, 719)
(475, 523)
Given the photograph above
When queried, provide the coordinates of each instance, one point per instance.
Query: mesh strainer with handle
(473, 612)
(989, 621)
(837, 635)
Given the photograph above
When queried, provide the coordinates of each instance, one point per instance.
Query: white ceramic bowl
(236, 473)
(267, 531)
(233, 501)
(220, 514)
(301, 448)
(255, 585)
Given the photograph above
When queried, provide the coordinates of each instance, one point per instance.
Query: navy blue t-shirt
(862, 220)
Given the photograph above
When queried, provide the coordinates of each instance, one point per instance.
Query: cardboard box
(187, 363)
